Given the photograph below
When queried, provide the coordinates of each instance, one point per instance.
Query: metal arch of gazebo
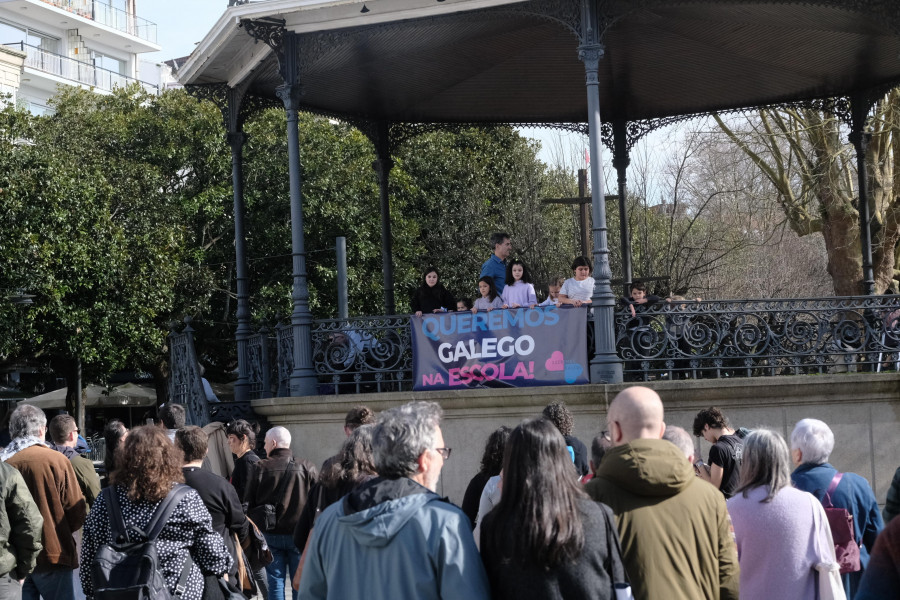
(394, 68)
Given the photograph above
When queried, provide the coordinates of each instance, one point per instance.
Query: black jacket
(263, 484)
(224, 507)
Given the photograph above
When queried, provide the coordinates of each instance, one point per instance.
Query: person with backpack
(147, 499)
(811, 444)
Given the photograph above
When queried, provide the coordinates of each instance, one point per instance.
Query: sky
(180, 24)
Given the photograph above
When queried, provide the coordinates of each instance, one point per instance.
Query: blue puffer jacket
(853, 493)
(392, 539)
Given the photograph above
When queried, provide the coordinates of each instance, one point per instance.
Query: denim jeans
(56, 584)
(286, 559)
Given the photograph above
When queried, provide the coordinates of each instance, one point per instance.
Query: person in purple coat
(781, 533)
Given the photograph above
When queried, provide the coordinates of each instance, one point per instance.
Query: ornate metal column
(285, 44)
(859, 106)
(236, 139)
(621, 160)
(605, 367)
(382, 167)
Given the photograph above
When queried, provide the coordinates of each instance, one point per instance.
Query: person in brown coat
(51, 480)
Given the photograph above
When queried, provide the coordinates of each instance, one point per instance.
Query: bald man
(675, 531)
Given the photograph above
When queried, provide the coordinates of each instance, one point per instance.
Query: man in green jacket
(676, 536)
(20, 532)
(64, 433)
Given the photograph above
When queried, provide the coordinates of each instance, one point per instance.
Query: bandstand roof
(466, 61)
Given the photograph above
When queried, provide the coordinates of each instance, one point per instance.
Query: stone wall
(863, 410)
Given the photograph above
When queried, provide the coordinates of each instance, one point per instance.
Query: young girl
(579, 289)
(553, 291)
(518, 290)
(489, 299)
(463, 304)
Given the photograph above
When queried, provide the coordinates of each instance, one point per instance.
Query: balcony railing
(683, 340)
(69, 68)
(111, 17)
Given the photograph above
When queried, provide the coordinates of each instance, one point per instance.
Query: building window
(109, 63)
(11, 33)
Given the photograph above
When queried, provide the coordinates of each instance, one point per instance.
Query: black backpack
(128, 567)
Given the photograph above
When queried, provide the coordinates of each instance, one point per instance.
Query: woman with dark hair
(491, 463)
(355, 465)
(782, 533)
(546, 538)
(431, 296)
(113, 434)
(242, 441)
(148, 468)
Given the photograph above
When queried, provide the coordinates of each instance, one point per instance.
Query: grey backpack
(128, 567)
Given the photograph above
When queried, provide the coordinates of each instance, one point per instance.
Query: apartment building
(94, 44)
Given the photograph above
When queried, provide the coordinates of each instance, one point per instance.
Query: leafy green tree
(107, 199)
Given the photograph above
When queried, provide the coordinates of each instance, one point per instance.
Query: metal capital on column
(621, 160)
(382, 168)
(606, 367)
(859, 106)
(303, 375)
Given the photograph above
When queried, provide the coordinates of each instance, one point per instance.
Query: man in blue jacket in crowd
(393, 537)
(811, 444)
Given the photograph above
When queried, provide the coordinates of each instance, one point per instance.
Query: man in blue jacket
(811, 444)
(495, 266)
(393, 537)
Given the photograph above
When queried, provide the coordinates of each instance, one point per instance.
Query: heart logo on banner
(556, 362)
(573, 370)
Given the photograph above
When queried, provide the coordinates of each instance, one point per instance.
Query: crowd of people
(641, 515)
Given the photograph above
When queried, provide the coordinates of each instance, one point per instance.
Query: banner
(501, 348)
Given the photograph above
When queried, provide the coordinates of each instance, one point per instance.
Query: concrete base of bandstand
(863, 410)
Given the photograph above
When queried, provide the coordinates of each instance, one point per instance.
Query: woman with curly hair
(148, 467)
(354, 465)
(491, 463)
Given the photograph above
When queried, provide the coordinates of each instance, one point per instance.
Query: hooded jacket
(393, 539)
(676, 535)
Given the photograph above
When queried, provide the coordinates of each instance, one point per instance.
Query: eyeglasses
(444, 452)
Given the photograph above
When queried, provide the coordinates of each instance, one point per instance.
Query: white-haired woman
(811, 444)
(781, 532)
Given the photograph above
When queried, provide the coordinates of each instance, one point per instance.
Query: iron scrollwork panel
(758, 337)
(364, 354)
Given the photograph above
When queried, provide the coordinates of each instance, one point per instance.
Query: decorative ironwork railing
(687, 340)
(74, 70)
(185, 384)
(751, 338)
(110, 16)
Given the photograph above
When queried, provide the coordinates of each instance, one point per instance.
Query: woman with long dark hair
(113, 435)
(546, 538)
(355, 465)
(431, 296)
